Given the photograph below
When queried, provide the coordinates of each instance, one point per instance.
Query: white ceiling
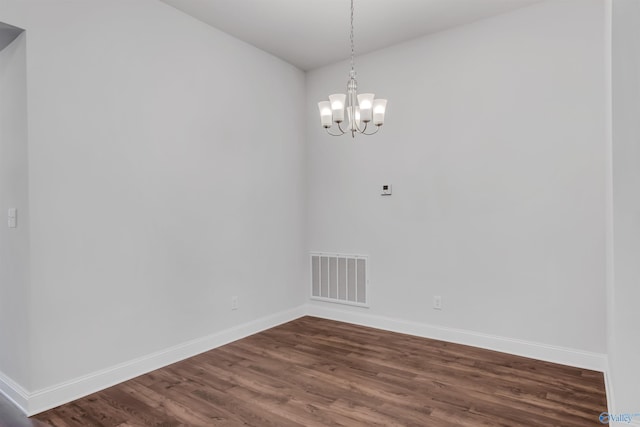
(313, 33)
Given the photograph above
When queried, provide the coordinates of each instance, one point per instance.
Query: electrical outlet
(11, 215)
(437, 302)
(234, 303)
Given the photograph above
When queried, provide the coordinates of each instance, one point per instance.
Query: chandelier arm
(334, 134)
(361, 130)
(374, 132)
(341, 130)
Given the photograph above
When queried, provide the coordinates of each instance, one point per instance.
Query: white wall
(14, 242)
(153, 199)
(625, 344)
(166, 175)
(493, 144)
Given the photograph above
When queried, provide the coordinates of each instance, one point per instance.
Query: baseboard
(612, 408)
(608, 386)
(632, 423)
(32, 403)
(14, 392)
(549, 353)
(635, 422)
(50, 397)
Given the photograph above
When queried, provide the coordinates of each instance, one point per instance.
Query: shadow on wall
(8, 33)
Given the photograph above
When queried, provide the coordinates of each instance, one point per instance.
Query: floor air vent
(339, 278)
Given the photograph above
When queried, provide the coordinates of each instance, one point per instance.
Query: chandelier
(361, 109)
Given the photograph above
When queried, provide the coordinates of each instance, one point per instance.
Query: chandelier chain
(353, 71)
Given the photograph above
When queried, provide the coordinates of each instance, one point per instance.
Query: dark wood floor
(314, 372)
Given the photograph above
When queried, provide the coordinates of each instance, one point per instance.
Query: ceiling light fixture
(361, 109)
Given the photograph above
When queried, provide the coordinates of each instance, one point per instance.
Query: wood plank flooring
(315, 372)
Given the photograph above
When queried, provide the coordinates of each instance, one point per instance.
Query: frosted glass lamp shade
(379, 108)
(365, 101)
(325, 113)
(337, 106)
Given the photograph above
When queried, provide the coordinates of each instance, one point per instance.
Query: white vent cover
(339, 278)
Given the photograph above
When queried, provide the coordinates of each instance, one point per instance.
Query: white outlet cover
(12, 218)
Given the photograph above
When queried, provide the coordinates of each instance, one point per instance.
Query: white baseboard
(608, 386)
(549, 353)
(14, 392)
(50, 397)
(32, 403)
(612, 407)
(635, 422)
